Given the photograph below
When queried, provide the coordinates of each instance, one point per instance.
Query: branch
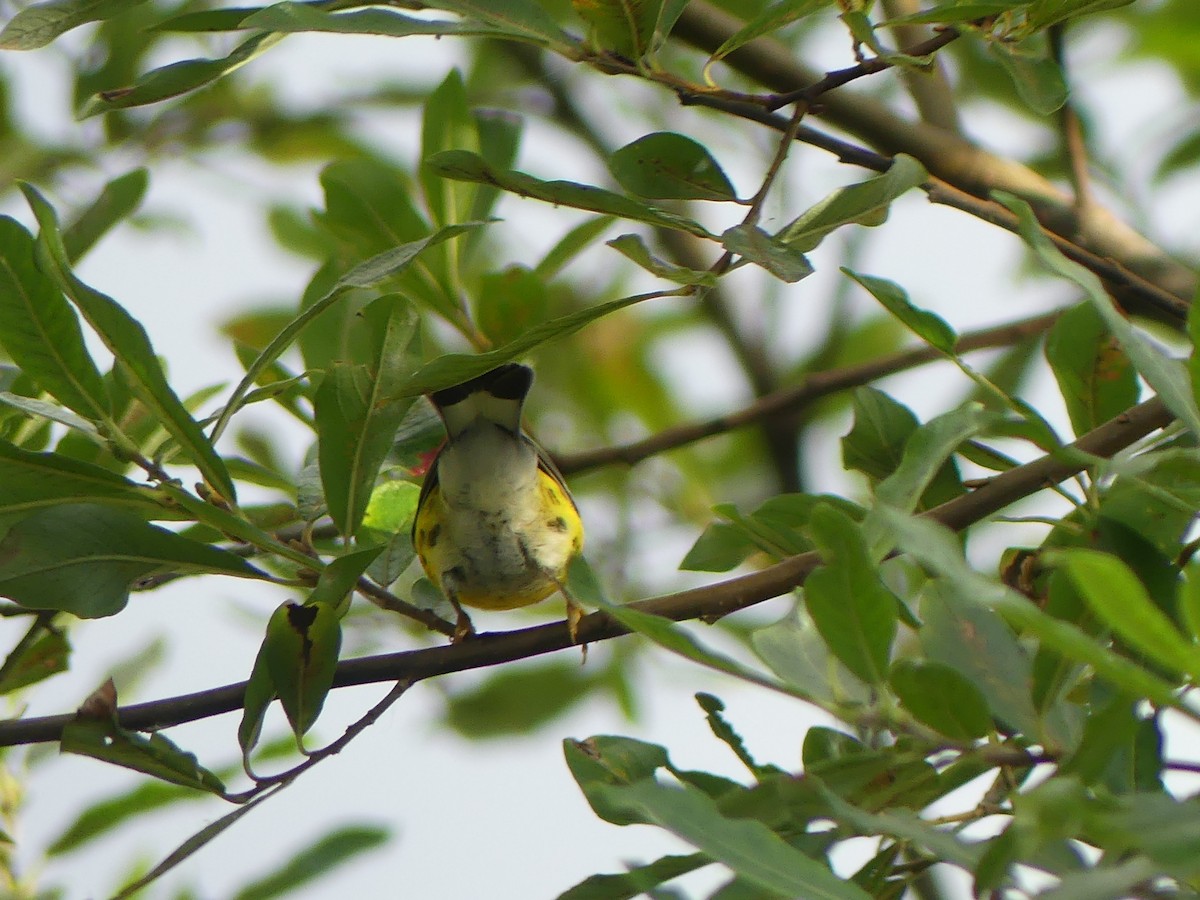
(812, 388)
(948, 156)
(1135, 292)
(710, 602)
(836, 79)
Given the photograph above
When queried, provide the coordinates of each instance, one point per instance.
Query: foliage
(1001, 690)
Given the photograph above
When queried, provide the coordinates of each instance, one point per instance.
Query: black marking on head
(510, 381)
(557, 524)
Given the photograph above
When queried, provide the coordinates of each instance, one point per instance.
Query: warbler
(496, 526)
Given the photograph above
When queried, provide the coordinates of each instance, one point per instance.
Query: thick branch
(711, 602)
(943, 153)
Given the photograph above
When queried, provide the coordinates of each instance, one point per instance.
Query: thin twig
(841, 77)
(1074, 147)
(812, 388)
(385, 599)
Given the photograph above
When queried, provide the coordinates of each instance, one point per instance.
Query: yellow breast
(503, 557)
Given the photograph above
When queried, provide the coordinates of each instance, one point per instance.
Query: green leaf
(671, 636)
(153, 755)
(1117, 596)
(455, 368)
(1036, 76)
(290, 17)
(260, 691)
(874, 445)
(519, 700)
(574, 242)
(84, 559)
(638, 880)
(928, 326)
(747, 846)
(1164, 374)
(903, 824)
(605, 760)
(376, 269)
(339, 577)
(1094, 375)
(315, 861)
(958, 12)
(622, 26)
(633, 247)
(301, 650)
(937, 548)
(226, 19)
(40, 23)
(865, 203)
(31, 481)
(446, 125)
(719, 548)
(976, 642)
(52, 412)
(178, 78)
(358, 410)
(853, 611)
(942, 698)
(794, 650)
(103, 817)
(772, 18)
(129, 343)
(523, 20)
(116, 202)
(669, 166)
(462, 165)
(782, 260)
(388, 524)
(1041, 14)
(190, 846)
(40, 331)
(26, 665)
(509, 302)
(928, 458)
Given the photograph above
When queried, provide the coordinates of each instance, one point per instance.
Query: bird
(496, 527)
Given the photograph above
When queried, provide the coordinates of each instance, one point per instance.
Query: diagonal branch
(1136, 292)
(812, 388)
(708, 603)
(948, 156)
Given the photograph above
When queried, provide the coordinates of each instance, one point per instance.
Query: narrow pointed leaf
(301, 653)
(366, 274)
(130, 344)
(40, 23)
(29, 481)
(785, 262)
(116, 202)
(1117, 596)
(1166, 375)
(928, 326)
(178, 78)
(41, 332)
(296, 17)
(84, 559)
(853, 610)
(463, 165)
(1094, 375)
(865, 203)
(154, 754)
(668, 166)
(358, 410)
